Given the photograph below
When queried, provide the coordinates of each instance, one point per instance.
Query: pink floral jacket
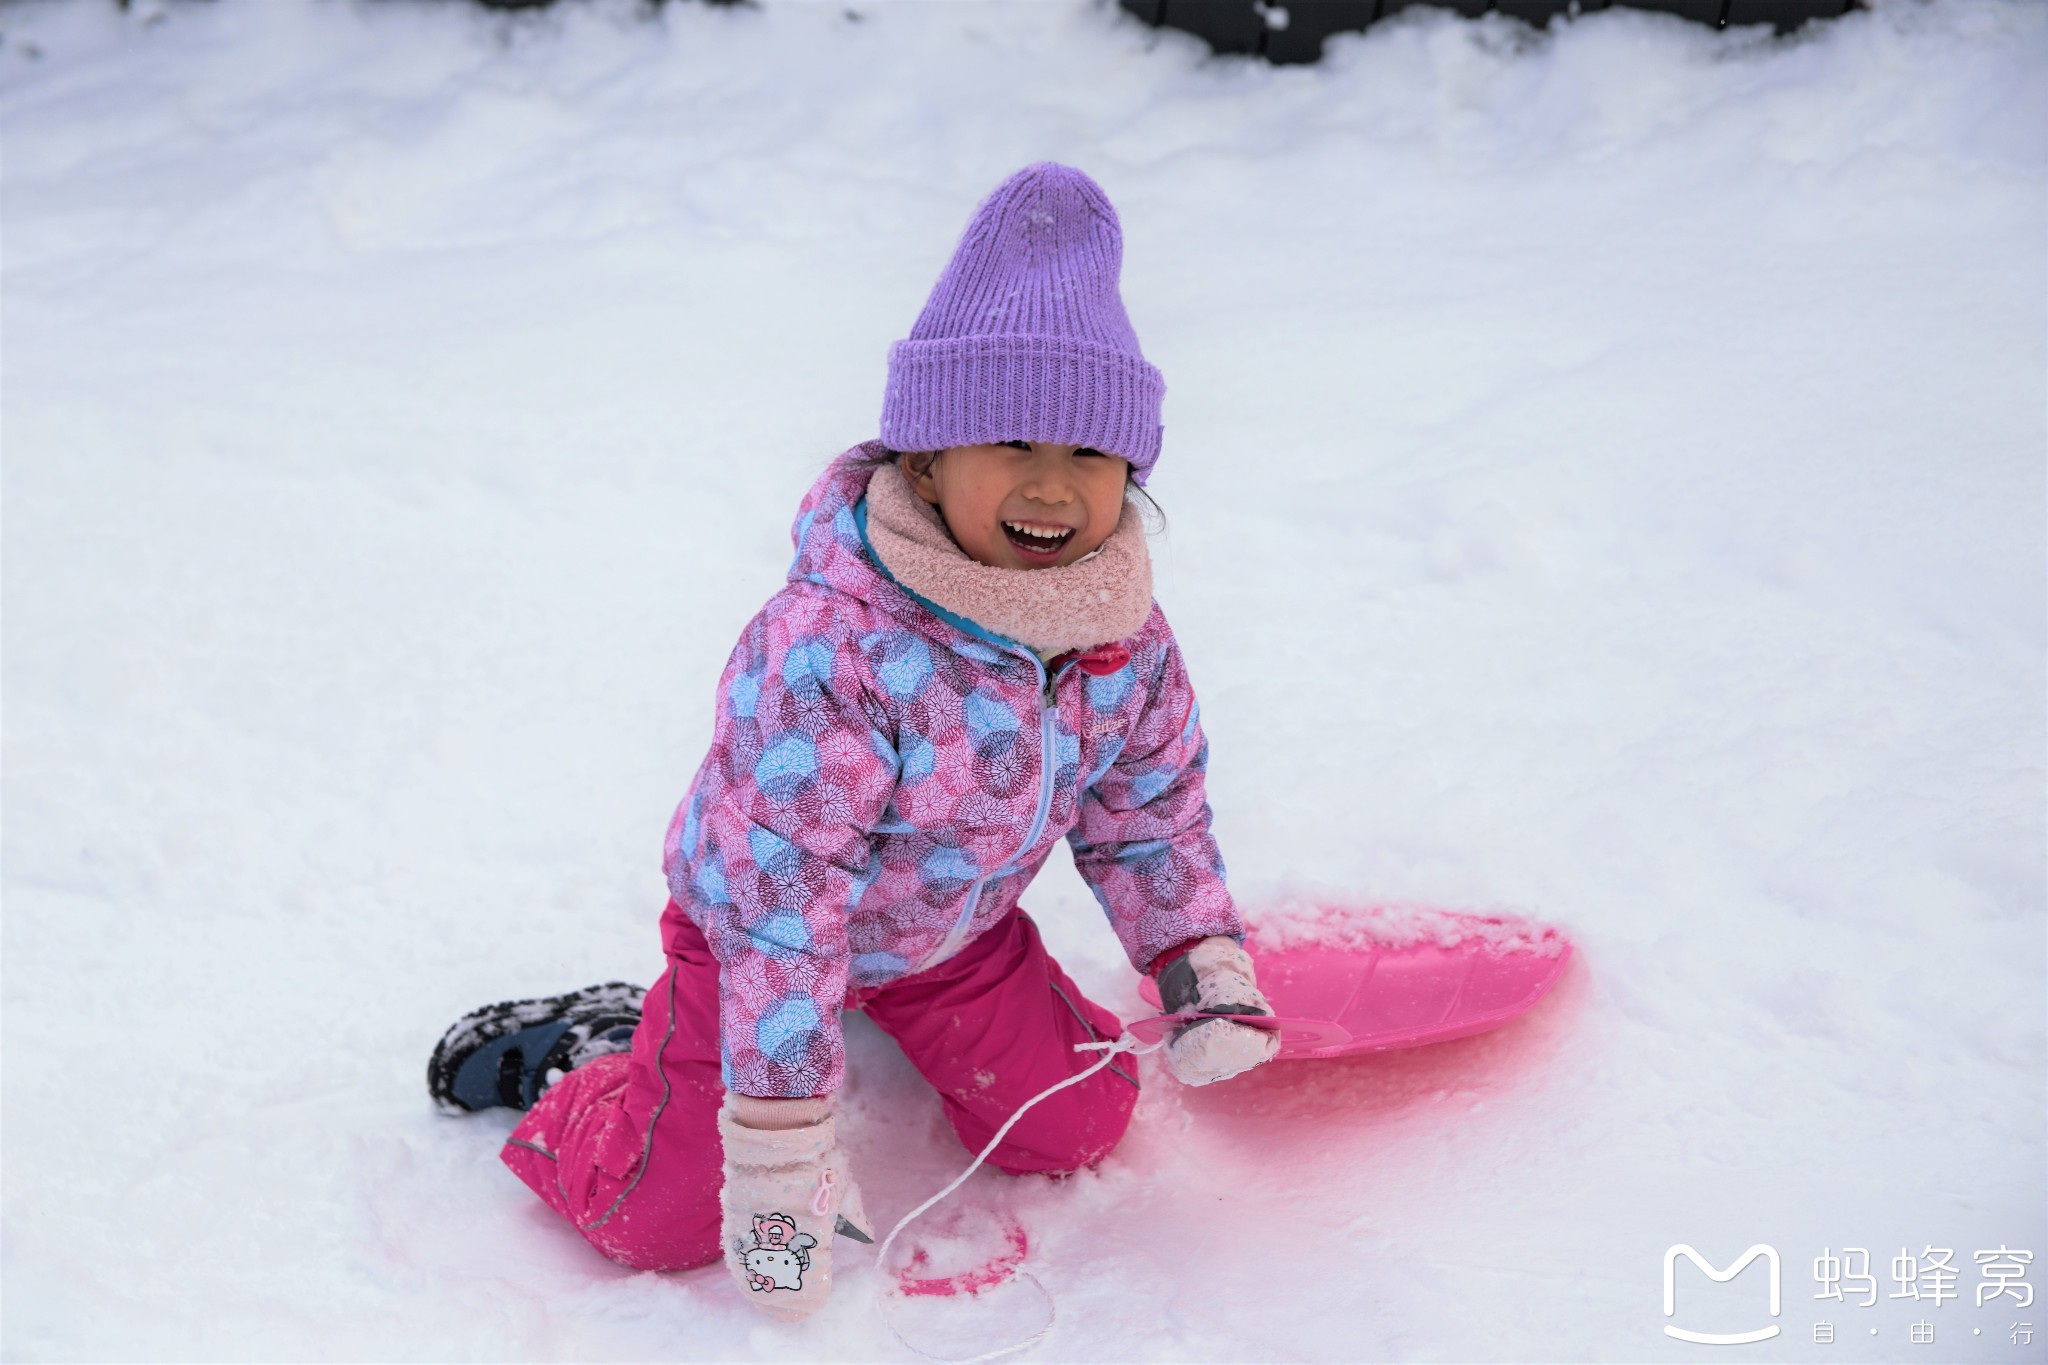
(885, 779)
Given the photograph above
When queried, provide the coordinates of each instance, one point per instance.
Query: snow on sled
(1350, 981)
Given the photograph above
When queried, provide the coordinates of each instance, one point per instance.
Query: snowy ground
(1606, 478)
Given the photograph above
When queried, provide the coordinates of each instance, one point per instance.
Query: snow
(1362, 927)
(1605, 473)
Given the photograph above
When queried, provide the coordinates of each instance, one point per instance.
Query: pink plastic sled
(1336, 1001)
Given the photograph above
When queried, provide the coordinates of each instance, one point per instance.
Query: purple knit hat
(1025, 336)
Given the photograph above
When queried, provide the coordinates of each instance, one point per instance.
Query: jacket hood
(827, 536)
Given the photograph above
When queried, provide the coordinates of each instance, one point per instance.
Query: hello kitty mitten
(786, 1192)
(1215, 977)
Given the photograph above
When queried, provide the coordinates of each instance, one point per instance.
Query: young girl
(965, 665)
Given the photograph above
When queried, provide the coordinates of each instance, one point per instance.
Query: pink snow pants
(627, 1149)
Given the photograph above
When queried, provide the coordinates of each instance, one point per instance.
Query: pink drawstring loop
(821, 1202)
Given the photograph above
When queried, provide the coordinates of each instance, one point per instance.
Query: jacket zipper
(1047, 710)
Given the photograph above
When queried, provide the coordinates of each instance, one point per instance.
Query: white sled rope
(1109, 1051)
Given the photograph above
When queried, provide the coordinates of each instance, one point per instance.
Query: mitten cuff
(762, 1148)
(773, 1115)
(1169, 957)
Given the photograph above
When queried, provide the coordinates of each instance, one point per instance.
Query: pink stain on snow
(987, 1275)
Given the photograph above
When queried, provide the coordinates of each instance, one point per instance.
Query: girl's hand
(1215, 977)
(786, 1192)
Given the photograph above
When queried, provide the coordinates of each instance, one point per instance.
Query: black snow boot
(508, 1053)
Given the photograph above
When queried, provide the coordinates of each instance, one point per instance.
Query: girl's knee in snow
(1076, 1134)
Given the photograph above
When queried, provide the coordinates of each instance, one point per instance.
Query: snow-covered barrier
(1293, 31)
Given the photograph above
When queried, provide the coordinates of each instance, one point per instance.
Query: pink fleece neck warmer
(1094, 601)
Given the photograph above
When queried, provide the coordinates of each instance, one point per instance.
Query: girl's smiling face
(1023, 504)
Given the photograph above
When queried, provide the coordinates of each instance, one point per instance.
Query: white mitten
(1215, 977)
(786, 1192)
